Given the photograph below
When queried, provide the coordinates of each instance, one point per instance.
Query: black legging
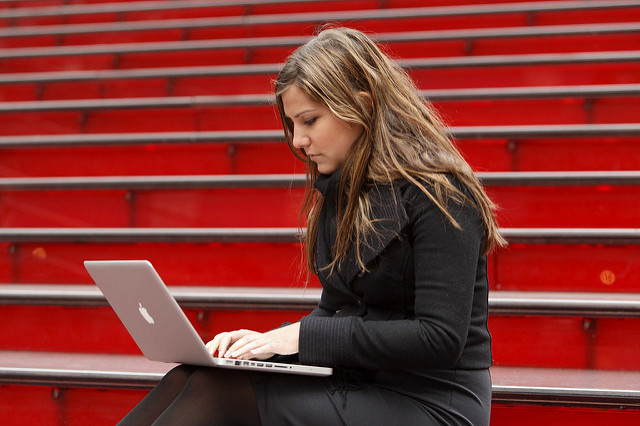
(190, 395)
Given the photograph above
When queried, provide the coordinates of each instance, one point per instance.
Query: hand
(247, 344)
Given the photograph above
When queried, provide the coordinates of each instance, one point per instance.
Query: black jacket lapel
(390, 218)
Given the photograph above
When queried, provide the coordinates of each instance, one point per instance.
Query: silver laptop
(158, 325)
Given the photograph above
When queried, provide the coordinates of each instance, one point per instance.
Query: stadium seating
(144, 129)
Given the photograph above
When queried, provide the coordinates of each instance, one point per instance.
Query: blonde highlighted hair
(402, 138)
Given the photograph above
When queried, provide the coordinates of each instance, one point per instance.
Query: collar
(327, 184)
(389, 218)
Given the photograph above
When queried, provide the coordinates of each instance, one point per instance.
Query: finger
(260, 351)
(225, 342)
(244, 345)
(267, 348)
(213, 345)
(233, 349)
(229, 339)
(261, 348)
(222, 341)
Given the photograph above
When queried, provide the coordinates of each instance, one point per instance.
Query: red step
(202, 158)
(559, 267)
(42, 405)
(97, 119)
(503, 414)
(534, 341)
(463, 42)
(584, 68)
(411, 19)
(217, 256)
(522, 396)
(528, 329)
(273, 264)
(271, 207)
(566, 206)
(70, 13)
(597, 199)
(500, 148)
(53, 12)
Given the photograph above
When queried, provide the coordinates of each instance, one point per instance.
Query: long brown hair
(402, 138)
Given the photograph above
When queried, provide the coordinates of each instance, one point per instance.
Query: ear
(366, 96)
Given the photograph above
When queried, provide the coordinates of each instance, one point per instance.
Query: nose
(300, 140)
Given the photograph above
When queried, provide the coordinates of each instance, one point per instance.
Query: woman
(398, 228)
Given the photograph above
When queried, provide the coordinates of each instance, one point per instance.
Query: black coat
(422, 304)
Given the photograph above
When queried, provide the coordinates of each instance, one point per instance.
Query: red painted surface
(407, 24)
(258, 55)
(515, 45)
(426, 78)
(539, 111)
(18, 92)
(34, 405)
(225, 264)
(565, 342)
(552, 154)
(579, 267)
(519, 207)
(44, 405)
(260, 117)
(204, 158)
(530, 267)
(566, 206)
(534, 341)
(257, 9)
(98, 329)
(506, 415)
(575, 342)
(526, 76)
(530, 154)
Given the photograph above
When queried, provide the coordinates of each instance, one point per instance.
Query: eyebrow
(303, 111)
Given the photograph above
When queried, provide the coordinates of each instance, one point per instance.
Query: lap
(446, 397)
(303, 400)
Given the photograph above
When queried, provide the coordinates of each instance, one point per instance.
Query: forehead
(296, 100)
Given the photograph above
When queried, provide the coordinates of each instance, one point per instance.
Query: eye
(310, 121)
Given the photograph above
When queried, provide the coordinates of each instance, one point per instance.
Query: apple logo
(145, 314)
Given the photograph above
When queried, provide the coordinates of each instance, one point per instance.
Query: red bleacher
(144, 129)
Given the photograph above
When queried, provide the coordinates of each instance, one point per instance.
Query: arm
(445, 261)
(324, 309)
(246, 344)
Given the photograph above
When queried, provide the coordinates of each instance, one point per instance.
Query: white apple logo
(145, 314)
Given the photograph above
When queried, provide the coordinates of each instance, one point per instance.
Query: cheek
(346, 148)
(348, 141)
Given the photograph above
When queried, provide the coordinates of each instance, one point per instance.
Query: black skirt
(443, 397)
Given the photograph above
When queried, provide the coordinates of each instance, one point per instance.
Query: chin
(326, 170)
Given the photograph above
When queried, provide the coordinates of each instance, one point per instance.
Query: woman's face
(324, 138)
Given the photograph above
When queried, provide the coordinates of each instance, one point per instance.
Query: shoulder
(422, 194)
(428, 201)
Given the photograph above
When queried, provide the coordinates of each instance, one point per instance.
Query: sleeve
(445, 261)
(320, 312)
(326, 306)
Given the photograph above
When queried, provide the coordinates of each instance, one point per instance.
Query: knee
(179, 376)
(217, 381)
(206, 378)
